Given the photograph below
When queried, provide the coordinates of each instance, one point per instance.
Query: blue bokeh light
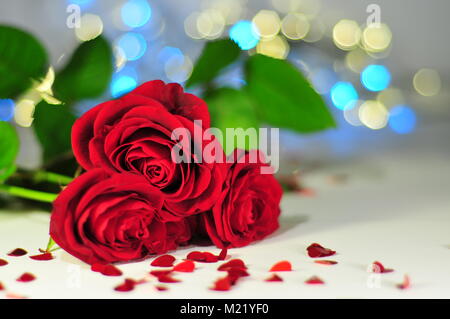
(244, 34)
(168, 53)
(343, 94)
(81, 3)
(6, 109)
(122, 84)
(136, 13)
(375, 77)
(402, 119)
(133, 45)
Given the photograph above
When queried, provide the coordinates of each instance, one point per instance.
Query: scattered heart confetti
(26, 277)
(127, 285)
(378, 267)
(326, 262)
(223, 254)
(107, 270)
(42, 257)
(3, 262)
(17, 252)
(274, 278)
(204, 257)
(405, 284)
(163, 261)
(282, 266)
(161, 288)
(185, 266)
(316, 250)
(222, 284)
(233, 263)
(314, 280)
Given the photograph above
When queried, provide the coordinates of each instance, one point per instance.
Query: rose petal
(274, 277)
(405, 284)
(1, 286)
(17, 252)
(97, 267)
(26, 277)
(111, 270)
(223, 254)
(185, 266)
(163, 261)
(160, 273)
(378, 267)
(316, 250)
(42, 257)
(235, 273)
(326, 262)
(161, 288)
(3, 262)
(282, 266)
(127, 285)
(222, 284)
(167, 279)
(314, 280)
(205, 257)
(233, 263)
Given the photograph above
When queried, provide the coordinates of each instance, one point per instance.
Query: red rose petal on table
(42, 257)
(273, 278)
(167, 279)
(223, 254)
(282, 266)
(222, 284)
(378, 267)
(185, 266)
(314, 280)
(326, 262)
(235, 273)
(3, 262)
(210, 258)
(163, 261)
(405, 284)
(161, 288)
(233, 263)
(26, 277)
(1, 286)
(127, 285)
(17, 252)
(111, 270)
(204, 257)
(97, 267)
(316, 250)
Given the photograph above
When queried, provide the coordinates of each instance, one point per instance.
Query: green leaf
(9, 147)
(284, 97)
(88, 73)
(22, 58)
(233, 109)
(216, 55)
(53, 126)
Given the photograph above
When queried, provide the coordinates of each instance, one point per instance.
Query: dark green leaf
(53, 126)
(216, 55)
(230, 108)
(9, 147)
(22, 58)
(284, 97)
(88, 72)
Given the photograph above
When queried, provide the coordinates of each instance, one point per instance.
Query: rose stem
(28, 193)
(40, 176)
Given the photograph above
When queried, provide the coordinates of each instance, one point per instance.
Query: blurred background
(387, 86)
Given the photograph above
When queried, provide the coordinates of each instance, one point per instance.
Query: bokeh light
(231, 10)
(24, 112)
(276, 48)
(91, 26)
(373, 114)
(133, 45)
(210, 24)
(295, 26)
(178, 68)
(244, 33)
(343, 94)
(357, 60)
(346, 34)
(122, 84)
(6, 109)
(375, 77)
(390, 97)
(81, 3)
(136, 13)
(427, 82)
(286, 6)
(402, 119)
(316, 31)
(351, 113)
(376, 37)
(267, 23)
(323, 80)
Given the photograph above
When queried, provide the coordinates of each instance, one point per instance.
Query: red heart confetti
(282, 266)
(405, 284)
(26, 277)
(163, 261)
(326, 262)
(107, 270)
(222, 284)
(3, 262)
(42, 257)
(378, 267)
(274, 278)
(233, 263)
(185, 266)
(161, 288)
(223, 254)
(127, 285)
(314, 280)
(316, 250)
(17, 252)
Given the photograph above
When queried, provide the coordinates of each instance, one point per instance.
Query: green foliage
(284, 97)
(9, 147)
(22, 58)
(216, 56)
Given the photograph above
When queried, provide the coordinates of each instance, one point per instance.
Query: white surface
(395, 208)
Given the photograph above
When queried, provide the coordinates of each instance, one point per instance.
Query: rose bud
(104, 218)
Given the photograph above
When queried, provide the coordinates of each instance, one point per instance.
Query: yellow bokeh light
(286, 6)
(316, 31)
(190, 26)
(267, 23)
(376, 37)
(23, 114)
(373, 114)
(178, 70)
(346, 34)
(276, 47)
(210, 24)
(295, 26)
(391, 97)
(91, 26)
(351, 113)
(120, 58)
(231, 10)
(357, 60)
(427, 82)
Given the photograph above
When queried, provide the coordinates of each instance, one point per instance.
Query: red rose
(134, 133)
(248, 208)
(103, 218)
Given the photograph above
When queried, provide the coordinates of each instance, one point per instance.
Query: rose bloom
(248, 207)
(134, 133)
(104, 218)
